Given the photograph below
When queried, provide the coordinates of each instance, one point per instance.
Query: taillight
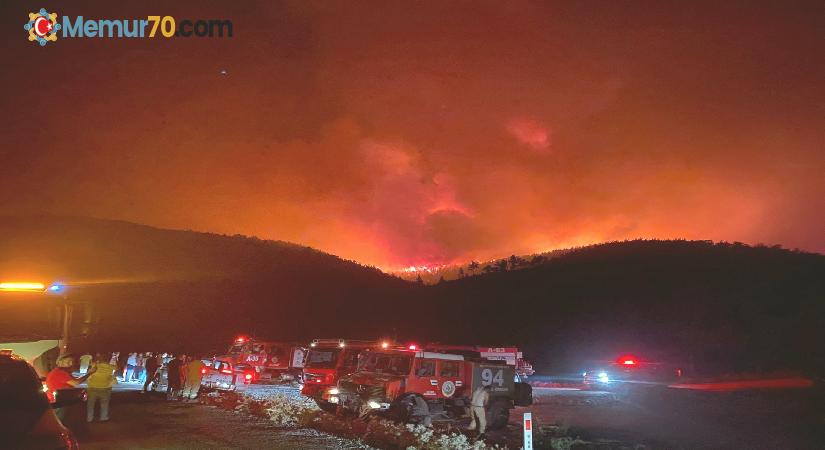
(628, 360)
(247, 377)
(49, 393)
(203, 371)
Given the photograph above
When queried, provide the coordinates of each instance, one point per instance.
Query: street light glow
(23, 287)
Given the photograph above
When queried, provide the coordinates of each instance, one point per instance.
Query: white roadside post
(528, 431)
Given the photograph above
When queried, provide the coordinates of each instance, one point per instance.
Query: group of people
(99, 376)
(101, 372)
(182, 374)
(136, 369)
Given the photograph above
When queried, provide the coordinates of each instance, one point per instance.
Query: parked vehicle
(387, 381)
(510, 355)
(220, 375)
(327, 361)
(267, 361)
(27, 420)
(619, 375)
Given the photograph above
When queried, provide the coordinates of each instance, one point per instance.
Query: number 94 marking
(488, 377)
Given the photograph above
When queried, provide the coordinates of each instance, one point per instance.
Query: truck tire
(401, 408)
(523, 394)
(498, 415)
(326, 406)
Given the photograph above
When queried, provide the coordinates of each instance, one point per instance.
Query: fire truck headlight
(333, 391)
(603, 378)
(373, 404)
(334, 399)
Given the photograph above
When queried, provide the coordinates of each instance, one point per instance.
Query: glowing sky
(408, 133)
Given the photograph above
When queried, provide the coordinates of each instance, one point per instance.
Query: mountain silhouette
(710, 306)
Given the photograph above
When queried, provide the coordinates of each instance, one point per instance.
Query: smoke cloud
(410, 134)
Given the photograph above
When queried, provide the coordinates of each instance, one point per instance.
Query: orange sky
(402, 134)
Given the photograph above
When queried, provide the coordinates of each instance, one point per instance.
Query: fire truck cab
(327, 361)
(389, 380)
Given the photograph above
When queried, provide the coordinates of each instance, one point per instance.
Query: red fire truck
(267, 361)
(389, 380)
(327, 361)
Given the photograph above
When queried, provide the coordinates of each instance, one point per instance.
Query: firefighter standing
(173, 376)
(100, 388)
(152, 366)
(478, 416)
(193, 378)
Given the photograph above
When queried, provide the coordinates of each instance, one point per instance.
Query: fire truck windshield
(384, 363)
(237, 348)
(322, 358)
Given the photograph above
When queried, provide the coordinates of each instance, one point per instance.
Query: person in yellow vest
(99, 388)
(193, 378)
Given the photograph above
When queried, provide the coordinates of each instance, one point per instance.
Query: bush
(289, 411)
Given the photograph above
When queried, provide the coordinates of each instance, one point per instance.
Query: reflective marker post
(528, 431)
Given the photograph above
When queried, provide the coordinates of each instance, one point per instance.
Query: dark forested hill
(195, 290)
(725, 306)
(717, 305)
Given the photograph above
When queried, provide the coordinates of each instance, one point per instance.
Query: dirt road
(674, 418)
(150, 422)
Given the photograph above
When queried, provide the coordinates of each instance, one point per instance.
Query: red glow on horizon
(442, 153)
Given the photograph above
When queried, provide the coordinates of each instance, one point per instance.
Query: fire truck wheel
(498, 414)
(326, 406)
(401, 408)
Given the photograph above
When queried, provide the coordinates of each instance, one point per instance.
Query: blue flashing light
(56, 287)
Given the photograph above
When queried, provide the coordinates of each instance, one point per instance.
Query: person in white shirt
(478, 415)
(85, 361)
